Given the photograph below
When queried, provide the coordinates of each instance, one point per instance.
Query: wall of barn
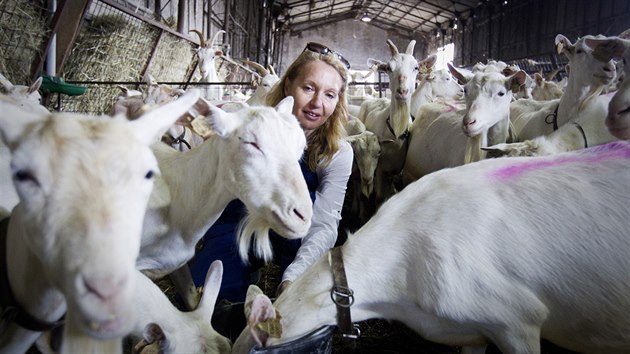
(355, 40)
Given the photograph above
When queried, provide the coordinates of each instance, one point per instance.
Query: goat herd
(463, 249)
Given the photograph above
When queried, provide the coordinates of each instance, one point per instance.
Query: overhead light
(366, 18)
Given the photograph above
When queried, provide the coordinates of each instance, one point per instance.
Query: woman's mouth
(311, 116)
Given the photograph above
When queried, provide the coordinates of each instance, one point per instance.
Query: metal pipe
(51, 55)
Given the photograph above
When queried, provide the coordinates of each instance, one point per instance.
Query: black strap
(11, 309)
(403, 136)
(341, 295)
(579, 127)
(554, 118)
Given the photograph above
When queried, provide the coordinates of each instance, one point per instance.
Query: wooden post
(66, 23)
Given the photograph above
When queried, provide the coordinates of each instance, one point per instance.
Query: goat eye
(24, 176)
(501, 93)
(253, 144)
(149, 174)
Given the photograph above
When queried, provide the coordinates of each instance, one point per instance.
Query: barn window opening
(445, 55)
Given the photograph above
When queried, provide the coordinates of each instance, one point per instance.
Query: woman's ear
(287, 84)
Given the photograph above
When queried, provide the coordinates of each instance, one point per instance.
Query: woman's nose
(316, 100)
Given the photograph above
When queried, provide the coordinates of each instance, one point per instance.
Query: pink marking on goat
(614, 150)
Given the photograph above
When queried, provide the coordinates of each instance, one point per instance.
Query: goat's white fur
(502, 250)
(74, 236)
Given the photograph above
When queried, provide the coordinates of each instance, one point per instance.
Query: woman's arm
(326, 212)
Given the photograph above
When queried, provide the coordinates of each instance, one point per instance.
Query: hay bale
(173, 59)
(23, 30)
(110, 48)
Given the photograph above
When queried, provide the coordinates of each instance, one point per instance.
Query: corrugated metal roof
(407, 18)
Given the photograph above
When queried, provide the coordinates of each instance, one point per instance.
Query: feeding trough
(318, 341)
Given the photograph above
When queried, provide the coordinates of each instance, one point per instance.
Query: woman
(317, 80)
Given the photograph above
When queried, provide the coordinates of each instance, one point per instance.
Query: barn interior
(87, 49)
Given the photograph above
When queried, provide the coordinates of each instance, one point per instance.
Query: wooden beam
(67, 25)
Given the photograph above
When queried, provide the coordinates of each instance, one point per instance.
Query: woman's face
(316, 93)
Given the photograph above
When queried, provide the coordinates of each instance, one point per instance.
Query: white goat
(28, 98)
(391, 124)
(207, 53)
(367, 150)
(507, 251)
(268, 78)
(254, 157)
(618, 118)
(434, 84)
(63, 253)
(545, 90)
(165, 329)
(25, 95)
(588, 115)
(454, 137)
(162, 328)
(587, 78)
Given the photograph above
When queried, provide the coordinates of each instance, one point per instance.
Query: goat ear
(538, 78)
(153, 333)
(221, 122)
(286, 105)
(517, 80)
(211, 289)
(606, 49)
(563, 45)
(429, 61)
(36, 85)
(15, 121)
(261, 311)
(4, 82)
(153, 124)
(463, 79)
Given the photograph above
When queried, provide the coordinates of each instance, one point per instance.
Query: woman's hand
(282, 287)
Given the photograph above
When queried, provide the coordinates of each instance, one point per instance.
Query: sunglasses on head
(322, 49)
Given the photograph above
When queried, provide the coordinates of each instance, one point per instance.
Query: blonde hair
(323, 142)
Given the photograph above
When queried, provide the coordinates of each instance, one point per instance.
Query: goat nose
(299, 214)
(609, 66)
(403, 91)
(469, 122)
(104, 288)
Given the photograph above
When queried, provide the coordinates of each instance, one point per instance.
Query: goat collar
(11, 309)
(342, 295)
(171, 140)
(554, 118)
(404, 135)
(579, 127)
